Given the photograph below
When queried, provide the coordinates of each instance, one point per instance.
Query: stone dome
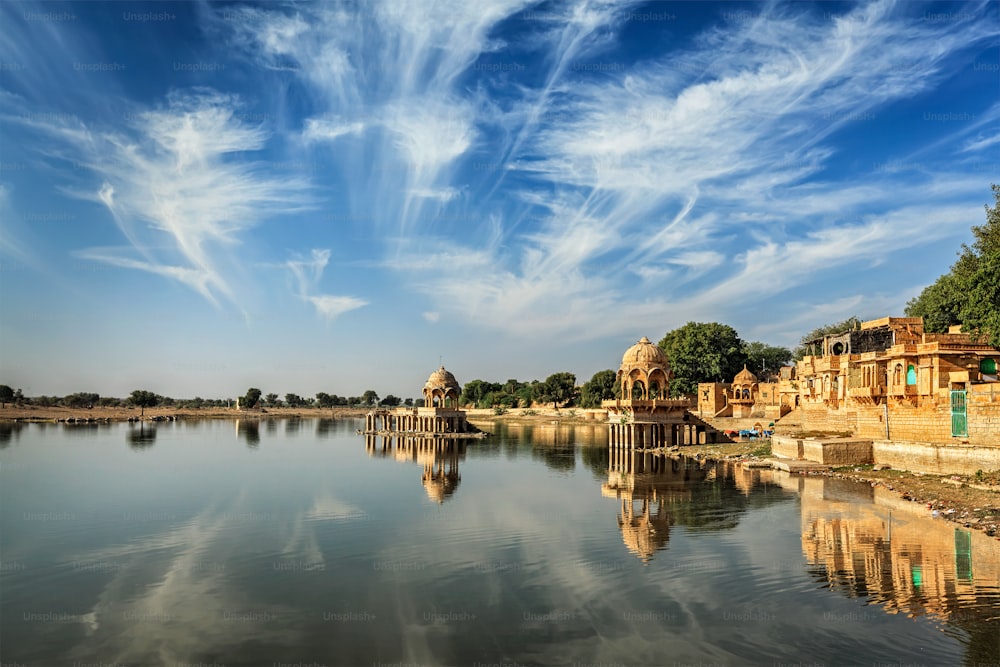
(644, 355)
(745, 377)
(442, 379)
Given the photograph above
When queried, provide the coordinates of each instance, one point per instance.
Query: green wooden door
(959, 419)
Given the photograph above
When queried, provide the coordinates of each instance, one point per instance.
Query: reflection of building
(877, 546)
(440, 413)
(645, 415)
(647, 484)
(439, 458)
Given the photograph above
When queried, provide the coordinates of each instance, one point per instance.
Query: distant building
(746, 397)
(439, 415)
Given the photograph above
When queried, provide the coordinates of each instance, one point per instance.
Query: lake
(300, 542)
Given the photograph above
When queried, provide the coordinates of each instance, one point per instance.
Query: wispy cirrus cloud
(692, 168)
(174, 186)
(307, 273)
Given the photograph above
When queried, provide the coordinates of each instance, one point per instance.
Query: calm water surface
(300, 542)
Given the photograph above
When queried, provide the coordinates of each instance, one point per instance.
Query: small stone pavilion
(439, 415)
(645, 416)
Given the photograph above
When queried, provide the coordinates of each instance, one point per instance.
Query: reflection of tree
(141, 438)
(249, 430)
(293, 425)
(325, 427)
(596, 458)
(561, 458)
(8, 431)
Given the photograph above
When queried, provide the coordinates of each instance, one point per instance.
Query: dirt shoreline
(967, 500)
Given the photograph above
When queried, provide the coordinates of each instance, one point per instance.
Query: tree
(559, 388)
(250, 399)
(144, 399)
(408, 403)
(600, 387)
(324, 400)
(475, 391)
(272, 400)
(391, 401)
(369, 398)
(765, 360)
(702, 352)
(293, 400)
(6, 395)
(81, 399)
(969, 294)
(819, 332)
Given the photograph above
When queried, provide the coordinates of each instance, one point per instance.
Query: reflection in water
(438, 456)
(552, 433)
(9, 431)
(249, 430)
(141, 438)
(869, 543)
(658, 491)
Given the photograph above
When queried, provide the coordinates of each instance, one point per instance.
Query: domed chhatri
(439, 415)
(644, 355)
(745, 377)
(644, 415)
(644, 374)
(442, 390)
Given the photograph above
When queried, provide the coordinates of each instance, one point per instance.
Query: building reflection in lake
(870, 543)
(439, 458)
(657, 492)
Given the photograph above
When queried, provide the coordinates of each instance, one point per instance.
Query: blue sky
(200, 197)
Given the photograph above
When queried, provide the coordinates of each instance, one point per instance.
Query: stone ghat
(913, 456)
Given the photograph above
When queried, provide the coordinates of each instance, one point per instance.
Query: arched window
(911, 375)
(988, 366)
(897, 374)
(746, 394)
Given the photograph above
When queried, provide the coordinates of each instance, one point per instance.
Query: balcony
(866, 392)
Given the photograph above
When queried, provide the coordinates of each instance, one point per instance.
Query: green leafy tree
(969, 294)
(408, 403)
(475, 391)
(559, 388)
(391, 401)
(324, 400)
(293, 400)
(272, 400)
(143, 399)
(702, 352)
(601, 387)
(370, 397)
(249, 400)
(765, 360)
(819, 332)
(6, 395)
(81, 399)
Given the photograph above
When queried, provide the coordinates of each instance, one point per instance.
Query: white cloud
(307, 274)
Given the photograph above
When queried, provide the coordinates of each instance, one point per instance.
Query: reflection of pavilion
(439, 458)
(654, 483)
(439, 414)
